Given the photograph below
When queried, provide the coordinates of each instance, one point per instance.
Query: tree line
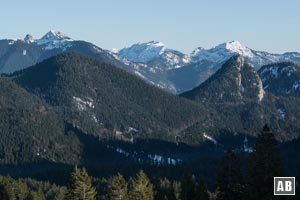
(264, 164)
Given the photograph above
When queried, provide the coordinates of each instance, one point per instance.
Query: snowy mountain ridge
(52, 40)
(152, 61)
(142, 52)
(151, 51)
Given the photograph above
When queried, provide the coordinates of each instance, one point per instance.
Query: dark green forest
(231, 182)
(73, 127)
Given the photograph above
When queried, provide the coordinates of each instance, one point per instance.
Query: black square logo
(284, 185)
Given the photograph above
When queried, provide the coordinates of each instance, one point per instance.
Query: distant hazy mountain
(152, 61)
(155, 54)
(205, 62)
(178, 72)
(20, 54)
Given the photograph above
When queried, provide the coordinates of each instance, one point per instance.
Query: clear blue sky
(181, 24)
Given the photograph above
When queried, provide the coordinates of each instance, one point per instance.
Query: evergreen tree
(264, 164)
(229, 179)
(201, 191)
(4, 195)
(188, 187)
(176, 186)
(117, 189)
(165, 190)
(81, 187)
(12, 189)
(141, 188)
(34, 196)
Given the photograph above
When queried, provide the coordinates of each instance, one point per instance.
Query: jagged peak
(28, 39)
(196, 51)
(56, 34)
(53, 36)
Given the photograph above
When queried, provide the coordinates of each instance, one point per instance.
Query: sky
(269, 25)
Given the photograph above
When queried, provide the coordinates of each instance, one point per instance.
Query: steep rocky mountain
(237, 93)
(281, 78)
(236, 82)
(20, 54)
(99, 99)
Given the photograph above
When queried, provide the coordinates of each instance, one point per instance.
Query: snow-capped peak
(54, 39)
(53, 36)
(236, 47)
(222, 52)
(143, 52)
(233, 45)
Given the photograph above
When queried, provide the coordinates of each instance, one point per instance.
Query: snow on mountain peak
(54, 39)
(143, 52)
(236, 47)
(197, 51)
(233, 45)
(56, 34)
(222, 52)
(53, 36)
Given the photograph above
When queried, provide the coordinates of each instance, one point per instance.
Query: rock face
(236, 82)
(28, 39)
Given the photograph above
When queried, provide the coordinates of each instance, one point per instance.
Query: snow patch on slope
(83, 105)
(261, 91)
(210, 138)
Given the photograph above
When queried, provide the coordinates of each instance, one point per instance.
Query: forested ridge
(264, 163)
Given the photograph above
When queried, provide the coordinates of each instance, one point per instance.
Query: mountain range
(152, 61)
(93, 98)
(236, 91)
(49, 110)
